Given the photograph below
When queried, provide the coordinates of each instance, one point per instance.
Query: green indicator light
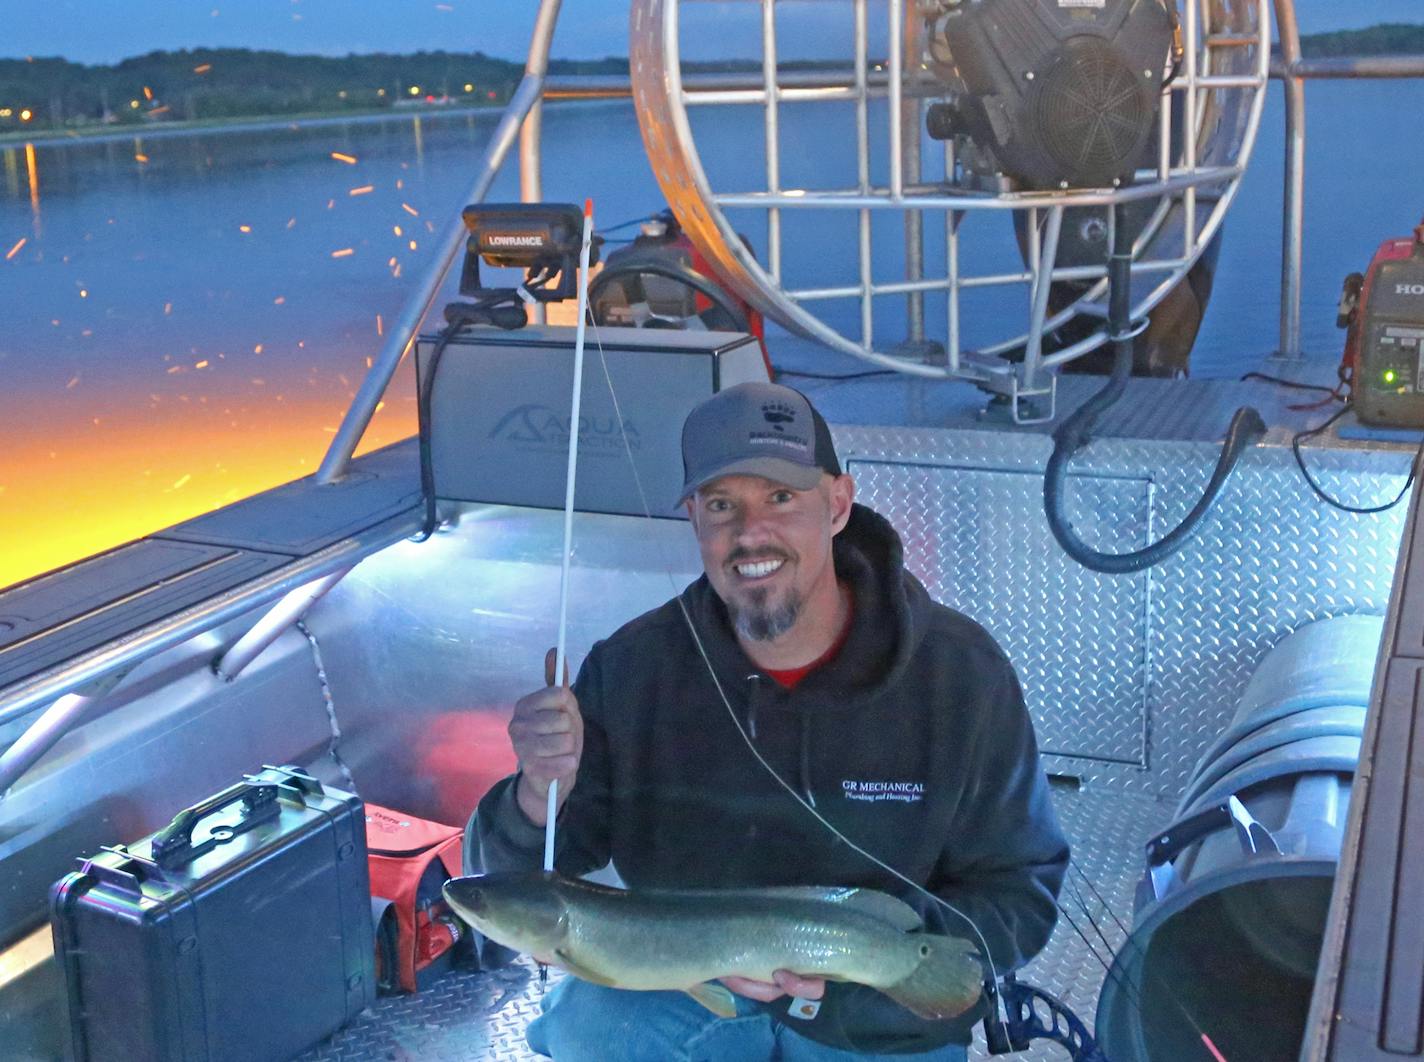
(1389, 376)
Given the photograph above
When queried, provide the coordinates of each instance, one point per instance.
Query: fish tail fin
(946, 983)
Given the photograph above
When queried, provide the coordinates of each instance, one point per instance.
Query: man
(899, 720)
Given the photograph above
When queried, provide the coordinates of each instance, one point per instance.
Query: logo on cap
(777, 414)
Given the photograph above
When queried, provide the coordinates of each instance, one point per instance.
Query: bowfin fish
(680, 940)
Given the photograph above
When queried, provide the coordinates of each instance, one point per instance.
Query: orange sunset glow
(85, 487)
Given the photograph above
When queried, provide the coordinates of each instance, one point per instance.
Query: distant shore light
(415, 90)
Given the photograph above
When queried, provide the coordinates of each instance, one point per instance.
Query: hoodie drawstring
(804, 765)
(806, 758)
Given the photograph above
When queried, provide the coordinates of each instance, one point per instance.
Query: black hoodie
(913, 741)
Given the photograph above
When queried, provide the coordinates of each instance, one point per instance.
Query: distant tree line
(1391, 38)
(237, 82)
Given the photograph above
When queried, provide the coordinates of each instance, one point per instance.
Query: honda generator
(1383, 310)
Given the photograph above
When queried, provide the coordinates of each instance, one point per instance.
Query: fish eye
(924, 951)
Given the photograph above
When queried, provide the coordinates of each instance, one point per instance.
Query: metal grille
(1210, 112)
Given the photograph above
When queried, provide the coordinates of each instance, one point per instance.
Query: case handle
(173, 845)
(1254, 838)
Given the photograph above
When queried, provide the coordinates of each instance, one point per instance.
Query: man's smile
(758, 569)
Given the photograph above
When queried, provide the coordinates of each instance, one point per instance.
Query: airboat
(1209, 601)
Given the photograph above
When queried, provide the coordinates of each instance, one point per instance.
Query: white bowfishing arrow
(559, 652)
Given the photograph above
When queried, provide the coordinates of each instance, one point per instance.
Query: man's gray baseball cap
(756, 429)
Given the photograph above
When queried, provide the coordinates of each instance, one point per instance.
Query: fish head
(524, 911)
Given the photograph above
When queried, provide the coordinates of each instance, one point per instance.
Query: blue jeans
(583, 1022)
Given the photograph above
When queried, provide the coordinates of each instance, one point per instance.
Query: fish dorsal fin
(880, 905)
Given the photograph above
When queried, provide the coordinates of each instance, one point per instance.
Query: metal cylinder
(1231, 911)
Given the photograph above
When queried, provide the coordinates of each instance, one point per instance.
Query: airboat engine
(1050, 93)
(1054, 115)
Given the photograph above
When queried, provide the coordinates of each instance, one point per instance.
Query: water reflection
(33, 172)
(12, 172)
(198, 310)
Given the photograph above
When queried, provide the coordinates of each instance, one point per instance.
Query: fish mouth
(465, 895)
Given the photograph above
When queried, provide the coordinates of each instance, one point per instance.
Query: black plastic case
(240, 931)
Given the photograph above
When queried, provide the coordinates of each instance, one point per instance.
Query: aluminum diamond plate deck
(1269, 558)
(952, 521)
(463, 1016)
(478, 1017)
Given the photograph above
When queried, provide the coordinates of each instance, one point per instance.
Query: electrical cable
(1076, 432)
(835, 376)
(1294, 384)
(626, 224)
(1320, 492)
(333, 746)
(502, 309)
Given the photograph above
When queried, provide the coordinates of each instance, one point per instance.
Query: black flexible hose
(1076, 432)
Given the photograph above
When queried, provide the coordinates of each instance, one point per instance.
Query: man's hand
(784, 983)
(546, 731)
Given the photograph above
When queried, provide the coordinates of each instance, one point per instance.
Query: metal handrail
(37, 690)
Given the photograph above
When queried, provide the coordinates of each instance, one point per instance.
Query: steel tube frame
(531, 180)
(1351, 67)
(1043, 275)
(269, 628)
(45, 732)
(42, 735)
(906, 31)
(1293, 207)
(798, 86)
(772, 133)
(31, 693)
(840, 200)
(403, 330)
(666, 96)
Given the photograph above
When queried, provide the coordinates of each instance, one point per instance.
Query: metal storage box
(240, 931)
